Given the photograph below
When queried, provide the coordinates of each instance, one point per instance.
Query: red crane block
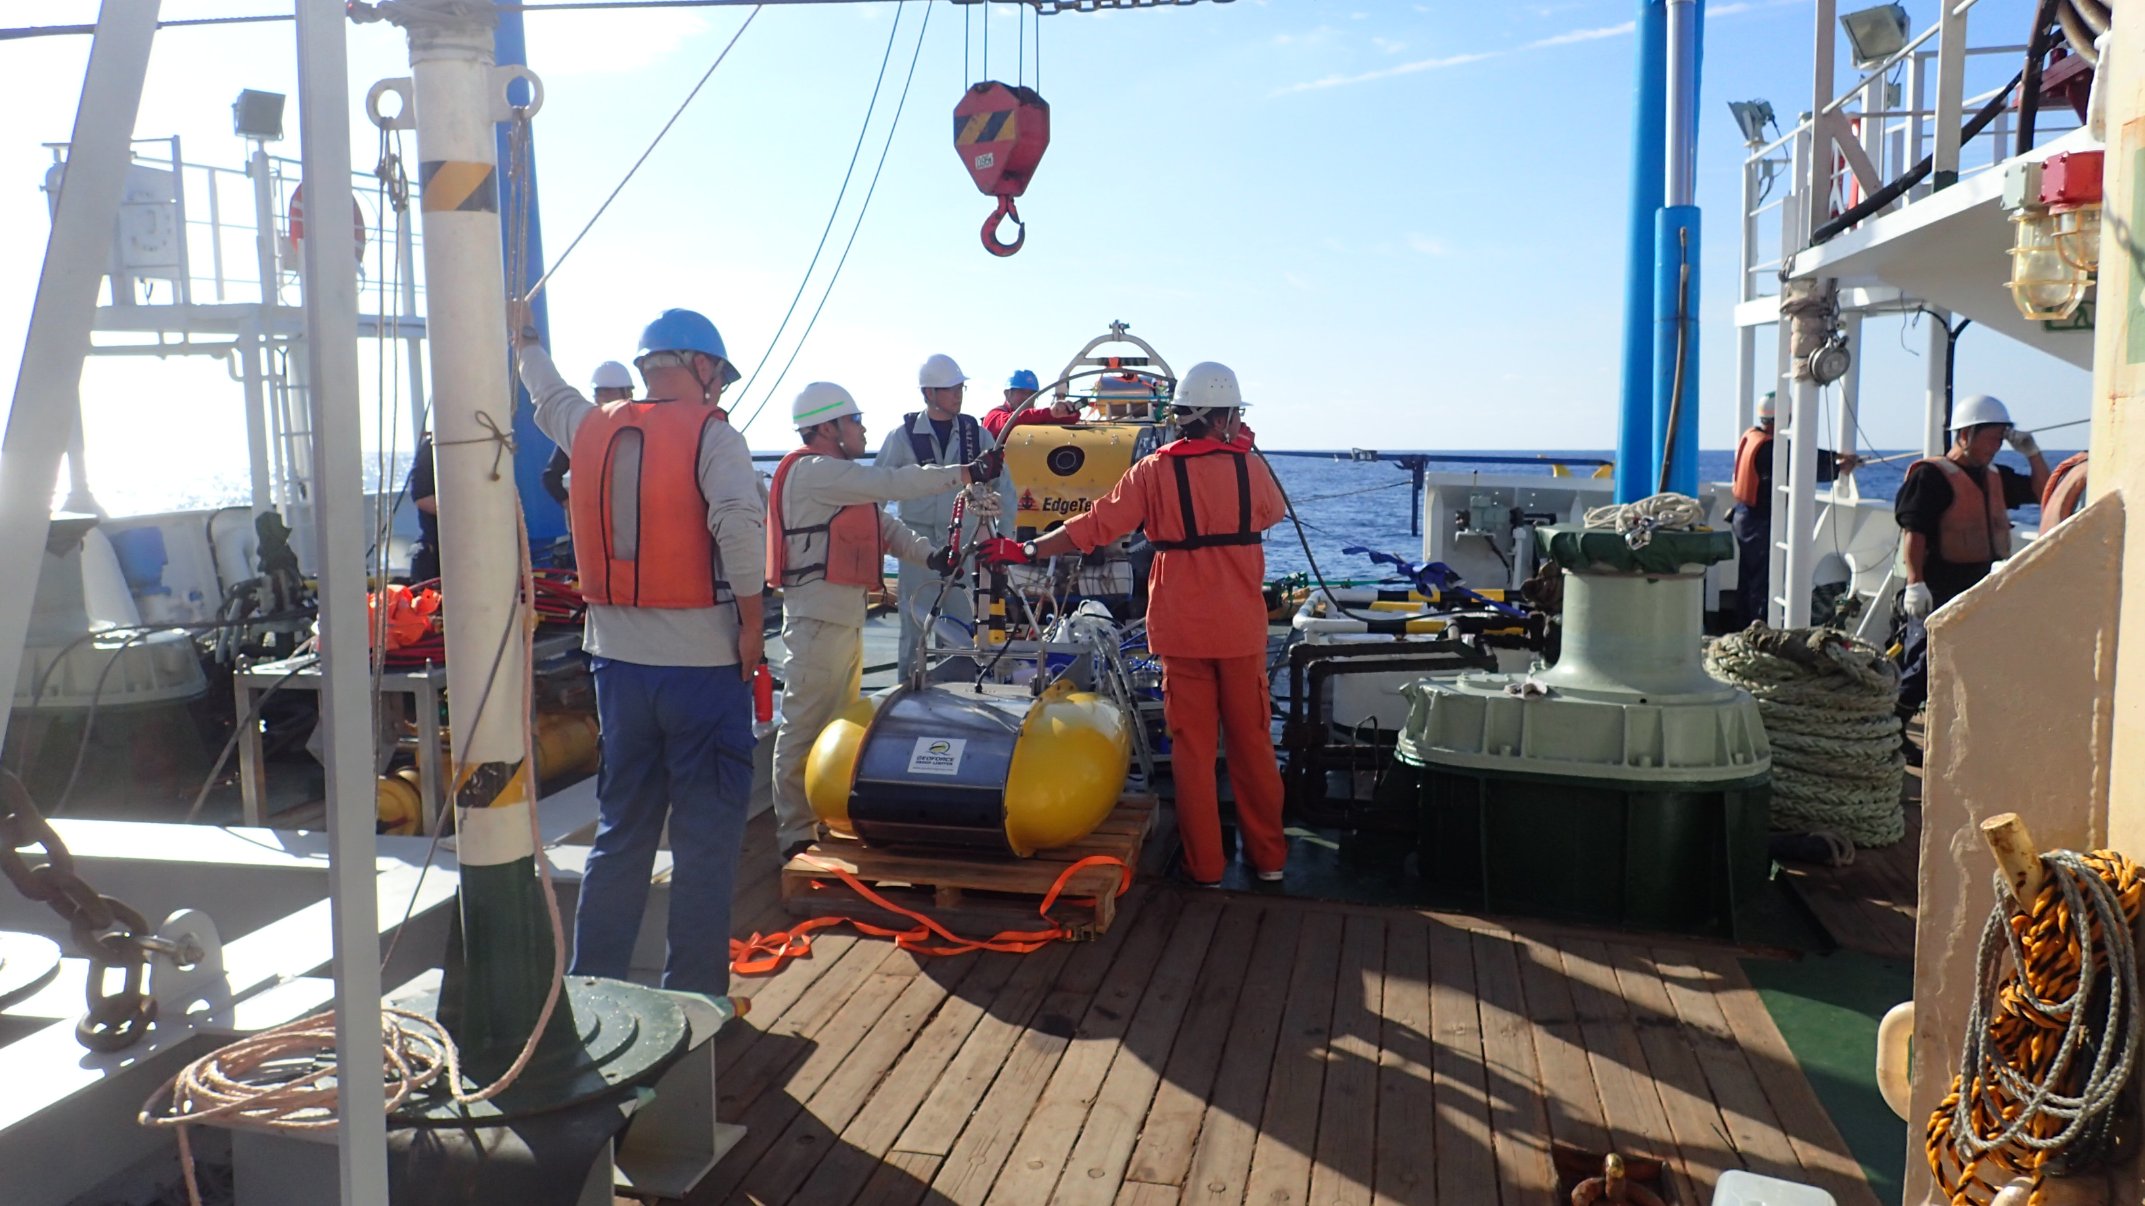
(1001, 131)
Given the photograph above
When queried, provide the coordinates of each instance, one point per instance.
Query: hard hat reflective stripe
(820, 409)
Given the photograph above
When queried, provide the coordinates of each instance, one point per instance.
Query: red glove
(1001, 550)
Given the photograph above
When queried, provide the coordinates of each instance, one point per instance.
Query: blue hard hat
(687, 331)
(1024, 379)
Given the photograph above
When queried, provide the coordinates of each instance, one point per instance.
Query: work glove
(941, 561)
(2022, 442)
(1916, 600)
(1001, 550)
(986, 468)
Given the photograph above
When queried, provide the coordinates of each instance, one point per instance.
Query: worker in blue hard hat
(666, 515)
(1014, 410)
(940, 434)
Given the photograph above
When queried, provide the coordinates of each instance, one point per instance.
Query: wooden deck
(1245, 1048)
(1868, 905)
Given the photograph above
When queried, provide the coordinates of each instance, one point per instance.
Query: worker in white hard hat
(1204, 499)
(611, 382)
(1751, 519)
(1955, 522)
(940, 434)
(827, 539)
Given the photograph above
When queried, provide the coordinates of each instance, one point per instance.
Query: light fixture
(1751, 117)
(258, 115)
(2044, 286)
(1877, 33)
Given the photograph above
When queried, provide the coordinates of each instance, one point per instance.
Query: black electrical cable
(1305, 541)
(1876, 201)
(2029, 100)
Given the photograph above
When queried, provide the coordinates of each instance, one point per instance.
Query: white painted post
(1915, 124)
(1817, 210)
(1844, 491)
(1801, 503)
(413, 348)
(1950, 94)
(250, 350)
(1936, 341)
(48, 385)
(1746, 335)
(347, 713)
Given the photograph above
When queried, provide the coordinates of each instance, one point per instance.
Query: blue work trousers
(677, 744)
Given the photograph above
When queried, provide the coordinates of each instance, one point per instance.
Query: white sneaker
(1271, 877)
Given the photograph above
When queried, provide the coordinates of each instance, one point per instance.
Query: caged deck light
(1751, 117)
(1877, 33)
(258, 115)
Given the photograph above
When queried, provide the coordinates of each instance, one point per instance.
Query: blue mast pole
(1675, 299)
(1637, 455)
(532, 449)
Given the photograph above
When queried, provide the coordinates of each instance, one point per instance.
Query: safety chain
(109, 932)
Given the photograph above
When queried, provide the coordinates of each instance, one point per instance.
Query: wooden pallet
(973, 896)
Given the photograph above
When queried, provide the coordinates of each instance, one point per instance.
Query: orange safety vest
(1747, 486)
(1183, 518)
(1976, 527)
(855, 554)
(640, 520)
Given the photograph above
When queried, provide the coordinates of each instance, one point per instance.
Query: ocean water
(1340, 502)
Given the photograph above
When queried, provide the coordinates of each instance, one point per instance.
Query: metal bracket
(674, 1140)
(404, 118)
(186, 966)
(503, 79)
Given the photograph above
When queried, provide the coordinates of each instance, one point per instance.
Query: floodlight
(1877, 33)
(1751, 117)
(258, 115)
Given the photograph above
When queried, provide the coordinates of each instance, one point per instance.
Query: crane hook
(1005, 210)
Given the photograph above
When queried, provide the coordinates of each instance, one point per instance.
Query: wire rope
(560, 262)
(848, 174)
(864, 208)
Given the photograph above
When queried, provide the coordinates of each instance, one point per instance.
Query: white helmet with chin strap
(940, 372)
(1766, 406)
(821, 402)
(1977, 410)
(1205, 388)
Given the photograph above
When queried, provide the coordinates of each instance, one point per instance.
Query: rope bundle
(2040, 1074)
(1828, 704)
(1638, 521)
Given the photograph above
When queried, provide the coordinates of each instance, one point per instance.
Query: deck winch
(1001, 131)
(1623, 784)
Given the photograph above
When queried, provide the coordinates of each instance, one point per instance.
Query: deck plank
(902, 1179)
(1638, 1125)
(1694, 1121)
(1347, 1152)
(1753, 1127)
(1466, 1166)
(849, 1163)
(1221, 1159)
(1170, 1130)
(1142, 1193)
(1288, 1129)
(1574, 1105)
(937, 1122)
(1826, 1161)
(1406, 1173)
(1519, 1125)
(1096, 1164)
(1039, 1154)
(818, 1102)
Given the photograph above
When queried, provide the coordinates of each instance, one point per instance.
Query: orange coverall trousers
(1200, 697)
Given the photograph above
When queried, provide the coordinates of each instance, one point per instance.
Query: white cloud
(1313, 37)
(1570, 36)
(1388, 45)
(1425, 244)
(1337, 81)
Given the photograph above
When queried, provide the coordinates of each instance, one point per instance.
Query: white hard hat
(821, 402)
(1765, 406)
(1208, 386)
(939, 372)
(1979, 409)
(612, 375)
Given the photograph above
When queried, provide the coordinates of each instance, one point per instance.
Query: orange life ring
(2065, 493)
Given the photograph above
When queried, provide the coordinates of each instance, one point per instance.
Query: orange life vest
(854, 554)
(1220, 528)
(1976, 527)
(640, 520)
(1749, 489)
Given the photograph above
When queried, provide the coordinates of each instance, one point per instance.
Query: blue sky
(1401, 223)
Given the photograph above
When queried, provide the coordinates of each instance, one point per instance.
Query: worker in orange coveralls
(1206, 610)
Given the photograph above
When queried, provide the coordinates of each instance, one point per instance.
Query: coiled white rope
(1638, 521)
(1828, 704)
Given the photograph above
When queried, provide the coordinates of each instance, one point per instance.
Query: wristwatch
(1027, 549)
